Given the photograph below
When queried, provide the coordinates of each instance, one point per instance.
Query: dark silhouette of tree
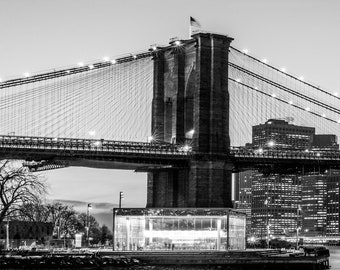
(35, 212)
(105, 234)
(18, 186)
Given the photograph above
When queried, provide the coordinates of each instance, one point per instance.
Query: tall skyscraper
(333, 203)
(314, 204)
(243, 195)
(275, 201)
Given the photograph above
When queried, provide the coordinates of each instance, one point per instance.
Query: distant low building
(25, 232)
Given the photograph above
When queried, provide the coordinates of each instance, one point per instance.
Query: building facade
(281, 204)
(178, 229)
(275, 201)
(314, 204)
(333, 203)
(243, 195)
(280, 134)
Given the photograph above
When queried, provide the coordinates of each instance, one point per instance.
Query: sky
(35, 35)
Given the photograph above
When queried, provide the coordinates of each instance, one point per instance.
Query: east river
(334, 259)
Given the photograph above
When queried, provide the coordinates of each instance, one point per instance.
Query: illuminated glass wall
(178, 229)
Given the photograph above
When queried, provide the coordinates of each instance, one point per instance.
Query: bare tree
(18, 186)
(35, 212)
(63, 218)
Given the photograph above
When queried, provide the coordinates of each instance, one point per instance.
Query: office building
(243, 195)
(314, 204)
(333, 203)
(280, 134)
(275, 201)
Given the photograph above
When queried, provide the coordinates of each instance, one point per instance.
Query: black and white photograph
(184, 134)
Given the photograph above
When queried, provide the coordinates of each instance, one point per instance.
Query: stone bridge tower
(191, 100)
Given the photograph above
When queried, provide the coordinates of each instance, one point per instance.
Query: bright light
(273, 95)
(317, 154)
(256, 88)
(290, 102)
(91, 66)
(306, 150)
(238, 80)
(92, 132)
(113, 61)
(283, 69)
(307, 109)
(338, 121)
(323, 115)
(154, 48)
(106, 59)
(150, 139)
(134, 56)
(177, 43)
(68, 71)
(186, 148)
(335, 94)
(245, 51)
(80, 64)
(301, 78)
(260, 150)
(271, 143)
(98, 143)
(264, 61)
(26, 74)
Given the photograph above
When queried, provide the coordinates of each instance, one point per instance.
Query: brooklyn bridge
(183, 113)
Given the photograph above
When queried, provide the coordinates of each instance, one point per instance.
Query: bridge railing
(7, 141)
(243, 152)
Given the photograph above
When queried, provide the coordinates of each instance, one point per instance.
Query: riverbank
(207, 260)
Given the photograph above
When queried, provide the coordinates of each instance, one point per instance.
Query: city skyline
(35, 49)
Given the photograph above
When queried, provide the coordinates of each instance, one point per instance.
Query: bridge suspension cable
(259, 92)
(111, 101)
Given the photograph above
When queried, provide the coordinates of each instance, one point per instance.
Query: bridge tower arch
(191, 93)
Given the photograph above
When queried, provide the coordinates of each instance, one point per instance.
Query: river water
(334, 259)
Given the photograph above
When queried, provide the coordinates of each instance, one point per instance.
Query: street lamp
(89, 206)
(121, 196)
(7, 234)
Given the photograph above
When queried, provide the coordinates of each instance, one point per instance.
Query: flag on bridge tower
(195, 26)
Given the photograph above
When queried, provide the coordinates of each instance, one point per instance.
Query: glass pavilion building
(178, 229)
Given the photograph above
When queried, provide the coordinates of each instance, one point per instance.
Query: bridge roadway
(138, 155)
